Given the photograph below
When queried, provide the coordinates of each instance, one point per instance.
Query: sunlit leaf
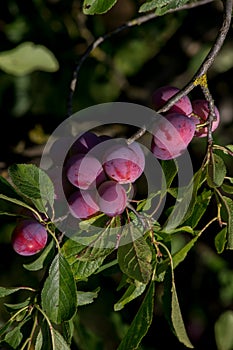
(134, 258)
(33, 183)
(26, 58)
(81, 269)
(58, 296)
(92, 7)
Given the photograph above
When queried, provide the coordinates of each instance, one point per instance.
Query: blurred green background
(128, 67)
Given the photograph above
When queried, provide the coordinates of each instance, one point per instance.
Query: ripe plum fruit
(82, 204)
(84, 170)
(112, 198)
(201, 112)
(124, 163)
(29, 237)
(171, 136)
(164, 93)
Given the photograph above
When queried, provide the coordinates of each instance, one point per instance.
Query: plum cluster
(102, 180)
(183, 121)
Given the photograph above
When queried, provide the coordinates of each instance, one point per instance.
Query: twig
(199, 77)
(137, 21)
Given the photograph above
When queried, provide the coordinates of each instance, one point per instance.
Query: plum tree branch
(137, 21)
(208, 61)
(199, 77)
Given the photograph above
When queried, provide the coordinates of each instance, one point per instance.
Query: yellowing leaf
(26, 58)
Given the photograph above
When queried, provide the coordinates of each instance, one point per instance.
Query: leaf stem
(49, 324)
(55, 239)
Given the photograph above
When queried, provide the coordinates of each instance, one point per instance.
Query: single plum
(29, 237)
(85, 143)
(124, 163)
(112, 198)
(171, 136)
(82, 204)
(84, 170)
(201, 112)
(164, 93)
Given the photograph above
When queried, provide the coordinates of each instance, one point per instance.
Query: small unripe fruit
(29, 237)
(112, 198)
(83, 204)
(164, 93)
(201, 112)
(124, 163)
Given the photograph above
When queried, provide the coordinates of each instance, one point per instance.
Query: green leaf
(5, 327)
(26, 58)
(216, 171)
(14, 337)
(7, 291)
(100, 245)
(59, 298)
(132, 292)
(153, 4)
(34, 184)
(173, 4)
(7, 189)
(187, 229)
(68, 331)
(50, 338)
(227, 213)
(230, 147)
(17, 202)
(172, 308)
(81, 269)
(201, 204)
(134, 258)
(59, 341)
(227, 188)
(223, 331)
(42, 260)
(43, 339)
(15, 307)
(185, 203)
(179, 256)
(177, 320)
(170, 169)
(221, 240)
(141, 323)
(92, 7)
(85, 298)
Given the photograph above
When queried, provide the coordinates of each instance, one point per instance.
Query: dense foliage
(126, 267)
